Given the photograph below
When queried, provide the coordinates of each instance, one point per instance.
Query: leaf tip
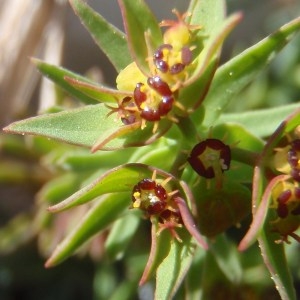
(48, 264)
(242, 246)
(189, 223)
(95, 148)
(6, 129)
(54, 208)
(35, 61)
(11, 129)
(52, 261)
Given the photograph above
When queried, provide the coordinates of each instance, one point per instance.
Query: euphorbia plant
(189, 172)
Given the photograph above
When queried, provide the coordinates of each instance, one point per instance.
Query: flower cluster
(155, 94)
(154, 198)
(286, 194)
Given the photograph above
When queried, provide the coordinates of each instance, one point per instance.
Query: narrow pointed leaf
(268, 119)
(130, 136)
(260, 214)
(59, 188)
(208, 14)
(226, 257)
(109, 38)
(89, 126)
(96, 91)
(189, 222)
(103, 213)
(120, 235)
(213, 47)
(172, 270)
(81, 126)
(275, 259)
(233, 76)
(233, 133)
(199, 88)
(119, 179)
(138, 20)
(160, 247)
(205, 66)
(81, 160)
(58, 74)
(208, 40)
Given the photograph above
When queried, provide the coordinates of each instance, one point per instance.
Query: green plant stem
(189, 135)
(188, 130)
(178, 165)
(245, 156)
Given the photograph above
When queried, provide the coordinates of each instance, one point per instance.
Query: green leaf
(160, 247)
(275, 260)
(130, 136)
(59, 188)
(58, 74)
(199, 88)
(81, 126)
(196, 271)
(211, 49)
(227, 259)
(233, 76)
(174, 267)
(104, 212)
(80, 160)
(120, 235)
(236, 134)
(96, 91)
(14, 172)
(260, 207)
(109, 38)
(79, 86)
(89, 126)
(208, 14)
(17, 232)
(212, 37)
(268, 118)
(152, 154)
(119, 179)
(138, 21)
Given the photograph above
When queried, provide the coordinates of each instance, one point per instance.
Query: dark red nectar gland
(160, 57)
(282, 208)
(210, 158)
(293, 158)
(154, 100)
(288, 212)
(168, 60)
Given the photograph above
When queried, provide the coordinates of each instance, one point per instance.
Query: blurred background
(49, 30)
